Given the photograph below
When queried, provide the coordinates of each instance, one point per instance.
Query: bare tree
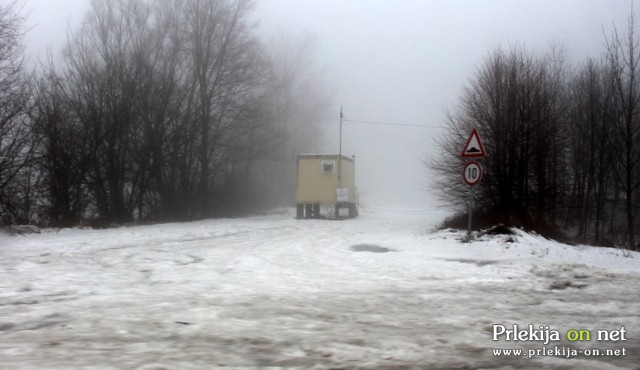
(15, 137)
(61, 151)
(562, 148)
(623, 53)
(169, 110)
(224, 65)
(172, 97)
(296, 107)
(592, 111)
(515, 101)
(105, 65)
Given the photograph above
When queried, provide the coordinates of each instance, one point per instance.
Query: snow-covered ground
(383, 291)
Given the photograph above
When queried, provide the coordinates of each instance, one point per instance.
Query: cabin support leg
(353, 211)
(316, 210)
(299, 211)
(308, 211)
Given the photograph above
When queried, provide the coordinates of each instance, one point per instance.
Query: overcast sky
(402, 61)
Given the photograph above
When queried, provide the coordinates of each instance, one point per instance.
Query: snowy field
(383, 291)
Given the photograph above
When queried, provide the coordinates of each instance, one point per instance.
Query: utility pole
(340, 153)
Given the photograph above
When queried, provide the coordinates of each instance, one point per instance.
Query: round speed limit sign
(472, 173)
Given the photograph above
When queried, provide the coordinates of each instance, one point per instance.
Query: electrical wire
(414, 211)
(393, 123)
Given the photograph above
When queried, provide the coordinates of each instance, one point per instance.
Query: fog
(395, 62)
(132, 285)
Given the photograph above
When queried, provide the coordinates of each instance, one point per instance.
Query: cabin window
(328, 166)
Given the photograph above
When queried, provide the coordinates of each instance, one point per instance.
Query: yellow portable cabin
(326, 187)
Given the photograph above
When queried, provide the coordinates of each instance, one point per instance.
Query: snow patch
(271, 291)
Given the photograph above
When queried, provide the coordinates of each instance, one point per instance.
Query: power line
(393, 123)
(399, 210)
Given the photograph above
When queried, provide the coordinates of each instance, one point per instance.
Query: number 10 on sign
(472, 173)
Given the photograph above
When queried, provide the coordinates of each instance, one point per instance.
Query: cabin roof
(323, 156)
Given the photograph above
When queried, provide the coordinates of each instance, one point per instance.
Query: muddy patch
(370, 248)
(479, 263)
(564, 284)
(577, 276)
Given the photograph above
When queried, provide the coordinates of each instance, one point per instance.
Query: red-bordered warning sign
(474, 147)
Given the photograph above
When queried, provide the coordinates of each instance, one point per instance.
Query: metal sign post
(470, 209)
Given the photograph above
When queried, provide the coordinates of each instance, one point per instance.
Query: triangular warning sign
(474, 147)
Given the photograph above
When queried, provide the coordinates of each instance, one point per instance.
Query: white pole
(340, 153)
